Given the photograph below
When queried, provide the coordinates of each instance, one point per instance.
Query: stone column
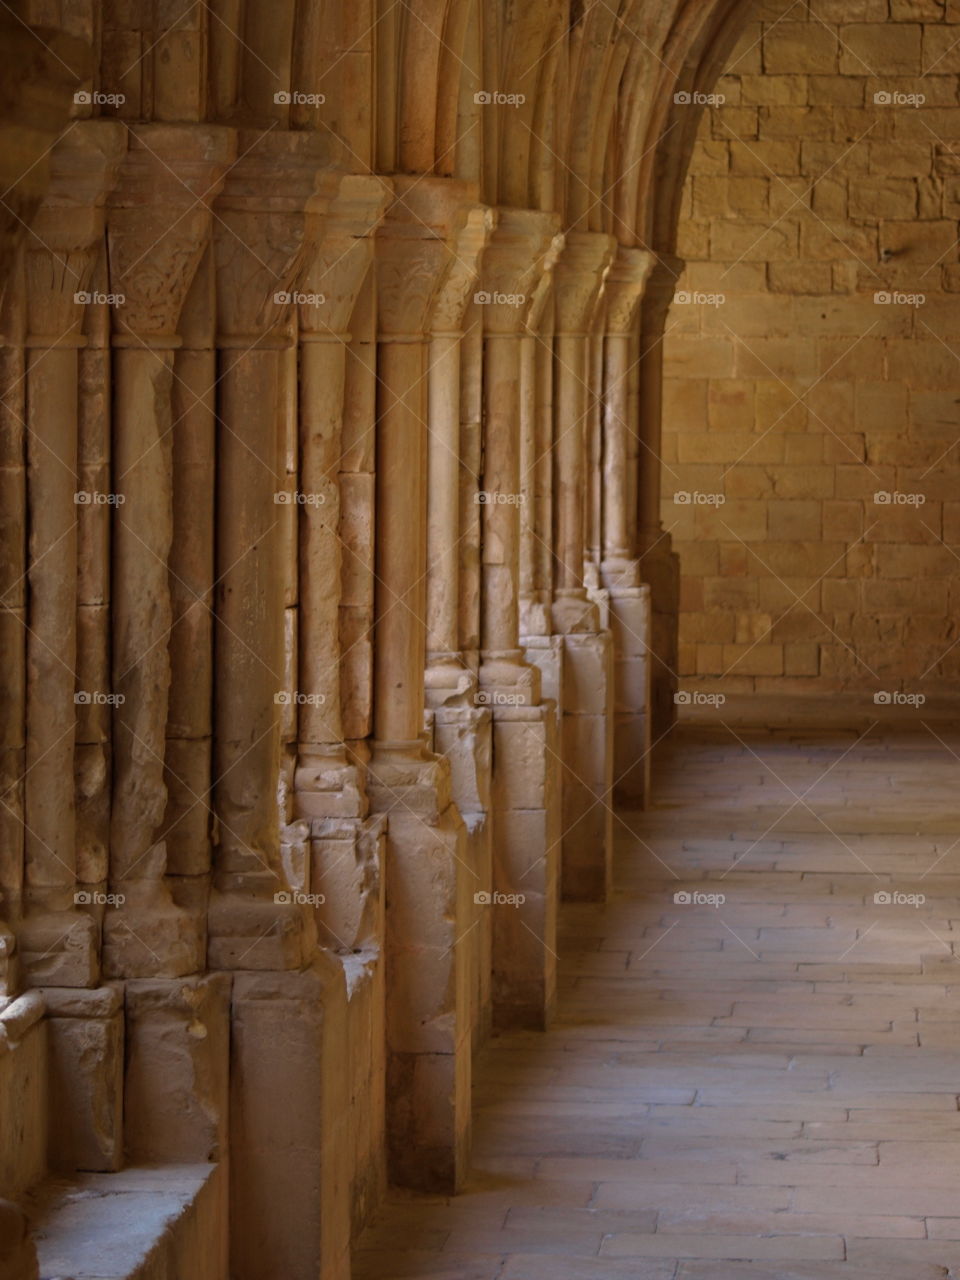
(58, 940)
(329, 787)
(659, 564)
(525, 749)
(587, 730)
(459, 728)
(287, 1119)
(157, 231)
(428, 882)
(629, 599)
(268, 226)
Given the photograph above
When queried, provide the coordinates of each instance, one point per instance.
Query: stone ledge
(143, 1223)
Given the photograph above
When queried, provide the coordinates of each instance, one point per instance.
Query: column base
(149, 936)
(57, 948)
(327, 785)
(429, 885)
(587, 750)
(526, 841)
(254, 923)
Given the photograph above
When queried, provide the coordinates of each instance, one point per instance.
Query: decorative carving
(454, 296)
(68, 227)
(158, 225)
(339, 266)
(414, 251)
(578, 278)
(521, 253)
(269, 224)
(624, 287)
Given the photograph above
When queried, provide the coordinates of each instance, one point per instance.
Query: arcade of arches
(369, 515)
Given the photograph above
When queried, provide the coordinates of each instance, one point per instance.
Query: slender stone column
(13, 621)
(327, 786)
(587, 729)
(629, 600)
(189, 758)
(659, 564)
(461, 730)
(525, 782)
(446, 676)
(429, 883)
(157, 231)
(268, 227)
(58, 941)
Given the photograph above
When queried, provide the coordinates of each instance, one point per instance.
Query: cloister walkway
(764, 1089)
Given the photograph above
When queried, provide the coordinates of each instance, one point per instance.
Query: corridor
(764, 1089)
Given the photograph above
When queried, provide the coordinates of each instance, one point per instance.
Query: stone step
(143, 1223)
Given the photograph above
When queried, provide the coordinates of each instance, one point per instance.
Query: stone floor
(764, 1089)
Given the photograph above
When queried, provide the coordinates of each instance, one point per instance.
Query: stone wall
(811, 476)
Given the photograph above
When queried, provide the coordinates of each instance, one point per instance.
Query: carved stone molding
(455, 293)
(415, 245)
(268, 226)
(624, 287)
(578, 278)
(67, 230)
(660, 289)
(158, 225)
(336, 271)
(521, 253)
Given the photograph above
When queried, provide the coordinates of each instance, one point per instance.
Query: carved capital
(457, 290)
(521, 252)
(67, 230)
(158, 224)
(578, 278)
(624, 288)
(269, 225)
(661, 287)
(335, 272)
(415, 250)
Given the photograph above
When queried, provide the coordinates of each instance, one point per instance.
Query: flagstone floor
(759, 1088)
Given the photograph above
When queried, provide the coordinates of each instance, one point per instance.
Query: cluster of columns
(357, 656)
